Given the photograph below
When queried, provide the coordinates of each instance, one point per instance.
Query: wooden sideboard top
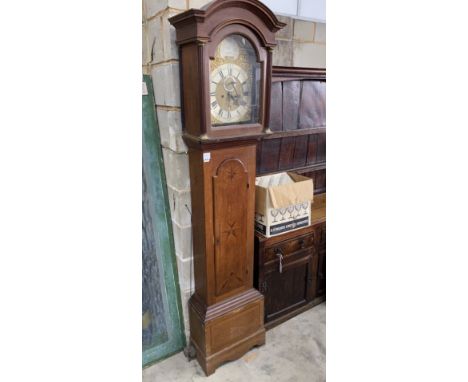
(319, 208)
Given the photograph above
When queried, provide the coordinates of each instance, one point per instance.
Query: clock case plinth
(226, 312)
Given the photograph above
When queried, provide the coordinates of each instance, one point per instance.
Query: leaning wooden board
(162, 323)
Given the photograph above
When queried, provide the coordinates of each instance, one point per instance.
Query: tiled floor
(294, 351)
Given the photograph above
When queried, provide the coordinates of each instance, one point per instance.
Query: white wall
(310, 9)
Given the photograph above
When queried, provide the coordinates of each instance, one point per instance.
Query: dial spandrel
(234, 83)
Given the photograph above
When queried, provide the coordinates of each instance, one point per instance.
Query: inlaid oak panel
(230, 186)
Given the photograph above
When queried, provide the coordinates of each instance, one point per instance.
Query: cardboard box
(282, 203)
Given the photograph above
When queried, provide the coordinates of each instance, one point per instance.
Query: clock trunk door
(233, 180)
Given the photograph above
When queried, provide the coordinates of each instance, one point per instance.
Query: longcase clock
(226, 57)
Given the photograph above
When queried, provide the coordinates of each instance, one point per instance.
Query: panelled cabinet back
(226, 69)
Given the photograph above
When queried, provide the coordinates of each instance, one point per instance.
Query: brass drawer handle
(302, 243)
(280, 256)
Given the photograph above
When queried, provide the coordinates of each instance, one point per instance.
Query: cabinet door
(231, 172)
(230, 191)
(287, 290)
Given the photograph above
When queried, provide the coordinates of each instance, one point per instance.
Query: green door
(162, 323)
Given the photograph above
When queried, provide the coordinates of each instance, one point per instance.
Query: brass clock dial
(230, 93)
(234, 82)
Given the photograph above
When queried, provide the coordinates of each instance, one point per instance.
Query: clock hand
(235, 99)
(234, 87)
(239, 99)
(229, 96)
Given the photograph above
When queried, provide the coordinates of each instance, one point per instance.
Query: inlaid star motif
(231, 230)
(231, 173)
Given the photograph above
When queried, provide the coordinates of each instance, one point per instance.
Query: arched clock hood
(200, 24)
(198, 33)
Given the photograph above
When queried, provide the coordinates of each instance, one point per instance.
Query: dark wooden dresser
(289, 269)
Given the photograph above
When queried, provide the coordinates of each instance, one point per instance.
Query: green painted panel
(162, 323)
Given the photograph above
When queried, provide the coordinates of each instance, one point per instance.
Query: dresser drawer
(292, 260)
(289, 247)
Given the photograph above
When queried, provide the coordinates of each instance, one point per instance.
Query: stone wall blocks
(170, 127)
(177, 169)
(181, 206)
(182, 240)
(179, 144)
(283, 53)
(309, 55)
(166, 84)
(162, 37)
(145, 51)
(171, 50)
(152, 7)
(186, 276)
(185, 296)
(320, 33)
(304, 30)
(179, 4)
(287, 31)
(197, 4)
(155, 40)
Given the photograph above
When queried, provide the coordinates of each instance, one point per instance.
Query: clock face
(230, 93)
(234, 83)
